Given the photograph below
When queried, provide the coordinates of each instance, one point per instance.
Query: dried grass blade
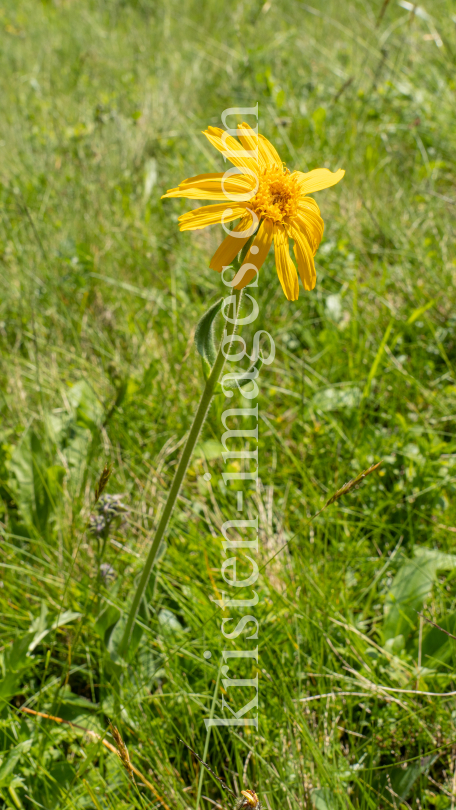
(99, 738)
(352, 484)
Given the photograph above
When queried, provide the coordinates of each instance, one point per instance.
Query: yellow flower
(263, 194)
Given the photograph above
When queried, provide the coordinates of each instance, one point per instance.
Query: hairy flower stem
(195, 430)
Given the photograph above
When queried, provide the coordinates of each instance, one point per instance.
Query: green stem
(195, 430)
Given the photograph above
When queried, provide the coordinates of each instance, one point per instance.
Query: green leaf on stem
(204, 335)
(240, 379)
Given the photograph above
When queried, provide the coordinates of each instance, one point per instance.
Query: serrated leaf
(204, 335)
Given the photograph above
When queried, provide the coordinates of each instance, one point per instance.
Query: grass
(102, 105)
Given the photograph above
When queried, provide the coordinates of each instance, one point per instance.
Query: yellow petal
(318, 179)
(251, 141)
(304, 259)
(201, 178)
(286, 270)
(210, 215)
(214, 187)
(259, 249)
(309, 204)
(221, 180)
(231, 148)
(310, 222)
(230, 246)
(269, 153)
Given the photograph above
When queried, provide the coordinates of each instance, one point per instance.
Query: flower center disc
(277, 196)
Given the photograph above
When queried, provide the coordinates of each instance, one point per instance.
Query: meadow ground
(102, 106)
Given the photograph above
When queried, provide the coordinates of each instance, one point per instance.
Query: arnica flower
(268, 199)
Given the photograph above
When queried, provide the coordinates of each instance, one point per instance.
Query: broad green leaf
(106, 621)
(401, 780)
(324, 799)
(75, 450)
(60, 776)
(118, 631)
(40, 623)
(8, 767)
(210, 449)
(36, 485)
(54, 477)
(204, 335)
(411, 586)
(41, 628)
(89, 410)
(41, 491)
(21, 468)
(9, 763)
(169, 621)
(65, 618)
(8, 686)
(241, 378)
(150, 590)
(16, 657)
(436, 646)
(91, 752)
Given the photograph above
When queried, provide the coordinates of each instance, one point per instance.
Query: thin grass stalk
(206, 744)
